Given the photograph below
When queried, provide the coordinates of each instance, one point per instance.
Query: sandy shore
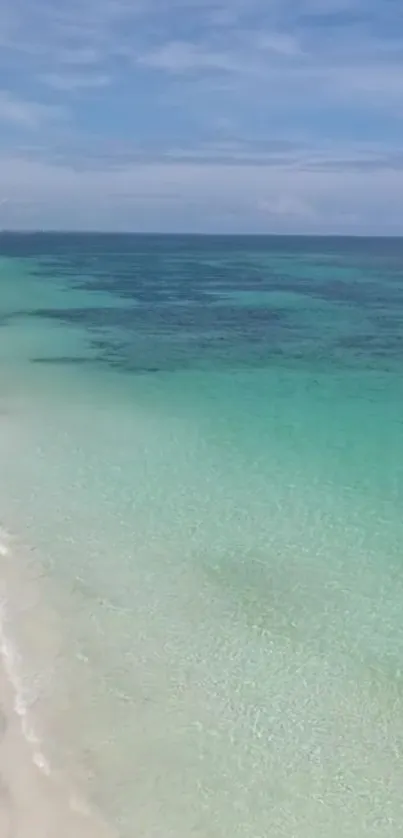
(33, 804)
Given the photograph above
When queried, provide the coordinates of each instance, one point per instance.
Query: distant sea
(201, 494)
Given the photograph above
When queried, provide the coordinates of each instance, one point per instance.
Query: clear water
(202, 475)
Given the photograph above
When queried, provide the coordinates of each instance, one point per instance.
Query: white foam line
(4, 537)
(11, 659)
(12, 667)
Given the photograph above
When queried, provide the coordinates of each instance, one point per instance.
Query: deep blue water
(230, 301)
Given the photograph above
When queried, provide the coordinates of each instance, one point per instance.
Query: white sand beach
(32, 804)
(36, 801)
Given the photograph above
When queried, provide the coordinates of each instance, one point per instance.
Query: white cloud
(289, 206)
(75, 81)
(384, 84)
(279, 44)
(200, 196)
(81, 56)
(182, 56)
(26, 114)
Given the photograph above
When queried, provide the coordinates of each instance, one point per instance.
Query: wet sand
(32, 803)
(35, 800)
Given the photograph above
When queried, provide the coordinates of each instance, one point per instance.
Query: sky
(255, 116)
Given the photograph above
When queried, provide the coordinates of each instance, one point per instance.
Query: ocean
(201, 494)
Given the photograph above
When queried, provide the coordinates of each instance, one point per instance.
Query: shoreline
(34, 801)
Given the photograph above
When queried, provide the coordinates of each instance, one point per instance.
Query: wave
(12, 667)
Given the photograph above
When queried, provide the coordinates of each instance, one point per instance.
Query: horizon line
(198, 234)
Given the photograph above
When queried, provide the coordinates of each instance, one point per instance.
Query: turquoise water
(201, 492)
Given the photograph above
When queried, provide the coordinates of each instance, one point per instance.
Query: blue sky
(202, 115)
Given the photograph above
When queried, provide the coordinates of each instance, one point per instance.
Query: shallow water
(202, 475)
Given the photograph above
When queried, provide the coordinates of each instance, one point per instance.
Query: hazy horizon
(192, 234)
